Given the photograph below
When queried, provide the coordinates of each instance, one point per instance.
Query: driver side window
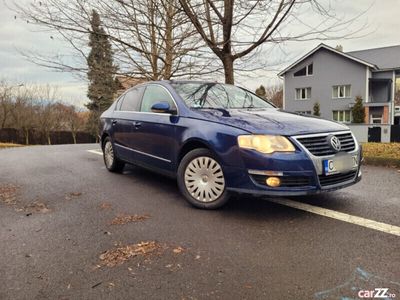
(154, 94)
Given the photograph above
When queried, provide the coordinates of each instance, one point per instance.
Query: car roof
(193, 81)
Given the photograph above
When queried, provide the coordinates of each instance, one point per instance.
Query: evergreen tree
(261, 92)
(101, 70)
(316, 110)
(358, 111)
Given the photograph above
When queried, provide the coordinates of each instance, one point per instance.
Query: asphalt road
(57, 204)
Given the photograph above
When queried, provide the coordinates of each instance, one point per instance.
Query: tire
(113, 164)
(201, 180)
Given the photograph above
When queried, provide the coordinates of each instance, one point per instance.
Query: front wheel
(113, 164)
(201, 180)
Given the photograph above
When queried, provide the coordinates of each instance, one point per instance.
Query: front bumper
(301, 173)
(311, 190)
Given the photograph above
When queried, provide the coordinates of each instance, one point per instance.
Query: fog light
(273, 181)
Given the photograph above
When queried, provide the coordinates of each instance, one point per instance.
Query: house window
(341, 91)
(303, 93)
(342, 116)
(304, 112)
(306, 71)
(376, 119)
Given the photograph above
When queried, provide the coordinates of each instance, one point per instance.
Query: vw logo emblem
(335, 143)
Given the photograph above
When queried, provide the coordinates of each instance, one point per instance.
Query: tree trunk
(26, 137)
(228, 69)
(48, 139)
(74, 136)
(153, 41)
(169, 47)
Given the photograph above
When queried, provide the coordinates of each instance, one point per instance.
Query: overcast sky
(382, 18)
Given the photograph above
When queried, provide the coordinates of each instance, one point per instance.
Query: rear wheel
(201, 180)
(113, 164)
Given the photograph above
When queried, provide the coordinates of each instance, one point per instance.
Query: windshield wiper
(225, 113)
(250, 106)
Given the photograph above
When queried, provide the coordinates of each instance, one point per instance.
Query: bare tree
(152, 39)
(235, 30)
(74, 120)
(274, 93)
(5, 103)
(48, 117)
(23, 112)
(33, 108)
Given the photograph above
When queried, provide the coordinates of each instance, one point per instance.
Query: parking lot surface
(58, 228)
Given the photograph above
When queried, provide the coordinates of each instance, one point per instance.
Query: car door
(124, 123)
(154, 138)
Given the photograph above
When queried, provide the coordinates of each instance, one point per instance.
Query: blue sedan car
(217, 139)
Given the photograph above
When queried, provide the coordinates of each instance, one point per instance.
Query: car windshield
(217, 96)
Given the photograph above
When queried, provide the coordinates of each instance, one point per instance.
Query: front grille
(326, 180)
(286, 181)
(319, 145)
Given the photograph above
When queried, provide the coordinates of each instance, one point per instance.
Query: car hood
(269, 121)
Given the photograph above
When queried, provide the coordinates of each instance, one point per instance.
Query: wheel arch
(103, 137)
(193, 144)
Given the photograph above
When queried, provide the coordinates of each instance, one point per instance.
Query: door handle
(114, 122)
(137, 124)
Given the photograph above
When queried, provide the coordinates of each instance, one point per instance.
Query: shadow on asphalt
(239, 206)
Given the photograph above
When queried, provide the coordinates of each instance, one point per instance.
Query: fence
(376, 132)
(12, 135)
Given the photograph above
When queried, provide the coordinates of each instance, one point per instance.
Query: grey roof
(351, 57)
(383, 58)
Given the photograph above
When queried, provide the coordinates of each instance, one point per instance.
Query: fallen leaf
(36, 206)
(105, 205)
(124, 219)
(111, 285)
(8, 194)
(96, 267)
(119, 255)
(69, 286)
(197, 257)
(75, 194)
(178, 250)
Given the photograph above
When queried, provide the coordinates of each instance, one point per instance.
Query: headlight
(265, 143)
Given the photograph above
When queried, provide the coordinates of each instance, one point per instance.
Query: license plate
(340, 164)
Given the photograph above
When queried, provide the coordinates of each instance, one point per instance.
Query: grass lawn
(382, 154)
(9, 145)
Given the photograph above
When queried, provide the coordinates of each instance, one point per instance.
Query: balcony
(379, 92)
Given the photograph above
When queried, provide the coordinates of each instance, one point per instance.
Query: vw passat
(217, 139)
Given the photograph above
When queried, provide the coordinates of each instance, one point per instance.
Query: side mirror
(162, 107)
